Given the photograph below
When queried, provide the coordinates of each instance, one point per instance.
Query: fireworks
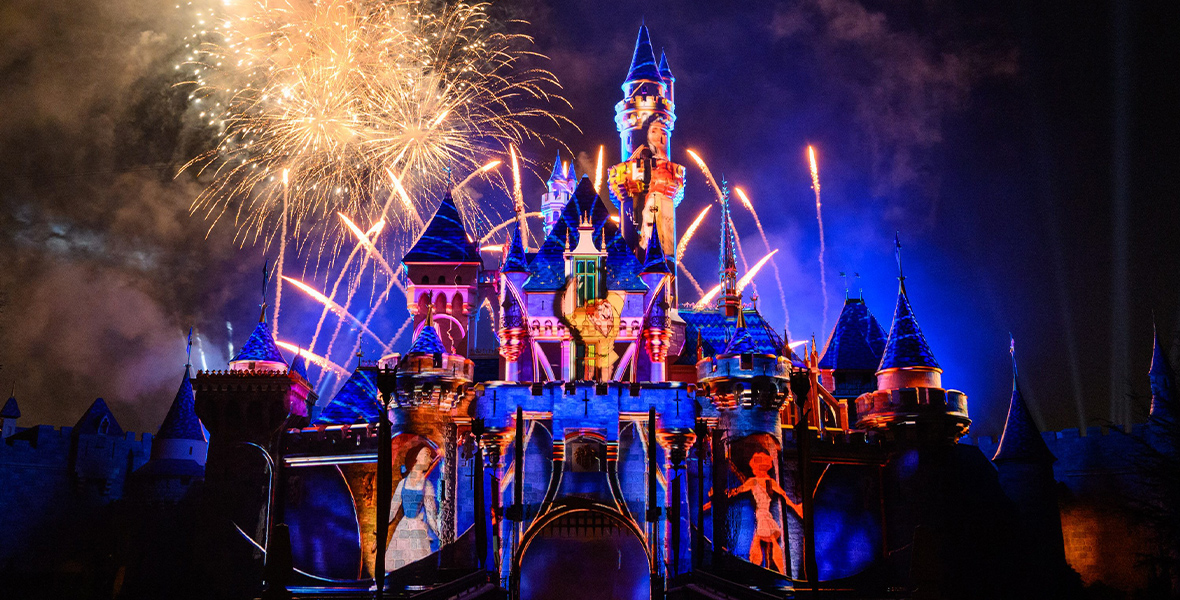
(777, 278)
(598, 168)
(819, 217)
(749, 277)
(708, 175)
(688, 233)
(342, 94)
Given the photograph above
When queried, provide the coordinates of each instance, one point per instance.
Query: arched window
(442, 278)
(425, 279)
(458, 280)
(104, 425)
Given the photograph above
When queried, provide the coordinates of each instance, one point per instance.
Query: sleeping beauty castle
(587, 435)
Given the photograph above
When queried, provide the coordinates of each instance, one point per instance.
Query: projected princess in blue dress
(414, 512)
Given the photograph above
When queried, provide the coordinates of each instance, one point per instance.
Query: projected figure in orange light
(767, 530)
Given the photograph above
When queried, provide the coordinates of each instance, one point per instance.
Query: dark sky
(1027, 154)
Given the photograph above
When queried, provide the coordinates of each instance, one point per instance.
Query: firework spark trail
(372, 250)
(819, 217)
(708, 174)
(480, 171)
(279, 263)
(691, 279)
(385, 348)
(487, 236)
(334, 307)
(748, 278)
(401, 330)
(688, 233)
(405, 197)
(201, 352)
(373, 231)
(518, 196)
(312, 357)
(598, 168)
(774, 265)
(709, 297)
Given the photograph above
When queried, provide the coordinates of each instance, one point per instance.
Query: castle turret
(1025, 467)
(853, 352)
(561, 186)
(646, 186)
(8, 416)
(910, 401)
(657, 327)
(181, 436)
(443, 267)
(669, 79)
(259, 353)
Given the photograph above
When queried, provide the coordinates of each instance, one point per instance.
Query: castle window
(425, 279)
(586, 271)
(442, 278)
(458, 280)
(104, 425)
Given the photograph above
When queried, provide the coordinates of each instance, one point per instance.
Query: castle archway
(583, 552)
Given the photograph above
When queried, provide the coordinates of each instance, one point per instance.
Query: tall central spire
(728, 263)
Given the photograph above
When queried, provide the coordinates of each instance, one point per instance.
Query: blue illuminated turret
(906, 347)
(259, 353)
(656, 261)
(643, 63)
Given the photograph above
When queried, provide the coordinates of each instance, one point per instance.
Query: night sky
(1027, 155)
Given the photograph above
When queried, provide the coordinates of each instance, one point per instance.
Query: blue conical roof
(1021, 440)
(260, 347)
(91, 421)
(1162, 383)
(516, 260)
(665, 71)
(620, 270)
(558, 171)
(655, 261)
(10, 410)
(182, 423)
(445, 238)
(298, 365)
(569, 174)
(741, 342)
(643, 62)
(857, 341)
(427, 342)
(906, 347)
(356, 402)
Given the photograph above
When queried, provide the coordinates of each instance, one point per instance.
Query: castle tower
(443, 267)
(561, 186)
(747, 388)
(181, 436)
(910, 402)
(657, 327)
(513, 332)
(1025, 467)
(853, 352)
(1163, 384)
(8, 416)
(646, 185)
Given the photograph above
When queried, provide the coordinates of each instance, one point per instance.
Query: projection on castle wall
(757, 502)
(331, 510)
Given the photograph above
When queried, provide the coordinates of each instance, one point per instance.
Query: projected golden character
(767, 530)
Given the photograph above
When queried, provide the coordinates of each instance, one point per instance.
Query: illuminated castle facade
(563, 427)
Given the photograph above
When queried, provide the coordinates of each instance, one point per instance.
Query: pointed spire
(643, 61)
(856, 341)
(906, 347)
(299, 365)
(515, 261)
(427, 341)
(569, 174)
(1162, 381)
(665, 71)
(260, 347)
(655, 261)
(182, 423)
(558, 170)
(1021, 440)
(445, 238)
(11, 410)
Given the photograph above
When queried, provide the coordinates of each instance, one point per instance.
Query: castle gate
(583, 554)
